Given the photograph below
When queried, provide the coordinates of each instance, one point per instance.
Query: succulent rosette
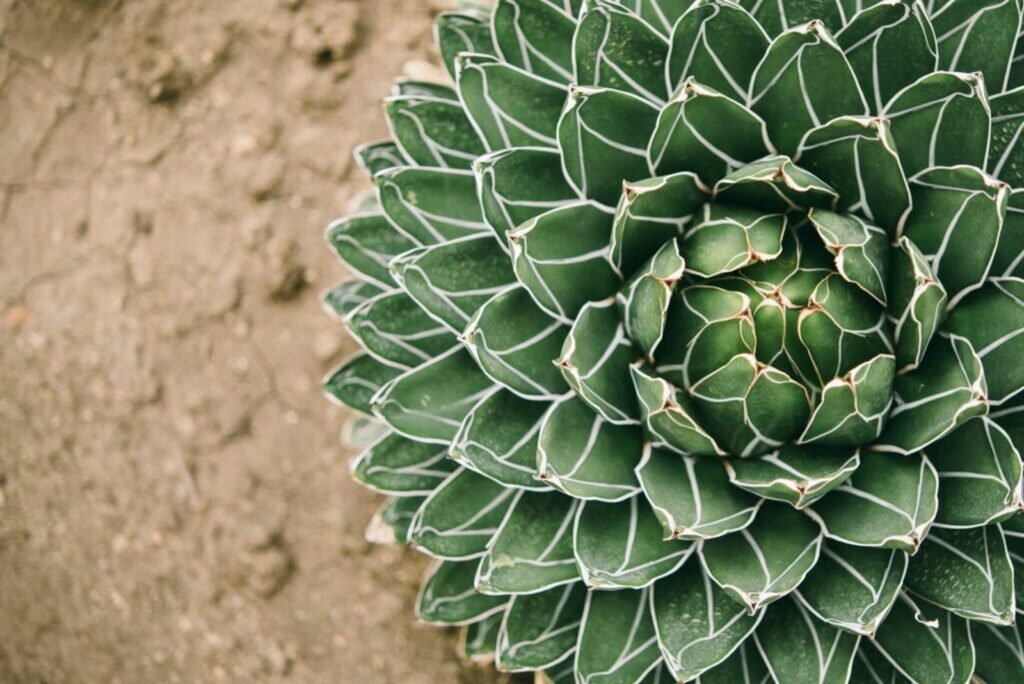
(694, 338)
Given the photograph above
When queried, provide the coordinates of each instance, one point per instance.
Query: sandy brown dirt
(174, 505)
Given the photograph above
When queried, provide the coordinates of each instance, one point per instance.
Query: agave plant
(694, 338)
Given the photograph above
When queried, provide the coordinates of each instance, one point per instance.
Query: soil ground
(174, 502)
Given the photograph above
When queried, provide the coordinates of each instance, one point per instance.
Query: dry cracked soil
(174, 502)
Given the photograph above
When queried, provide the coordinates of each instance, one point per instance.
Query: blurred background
(174, 502)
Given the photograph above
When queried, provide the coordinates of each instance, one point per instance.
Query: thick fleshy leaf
(392, 523)
(395, 330)
(1000, 652)
(617, 640)
(890, 501)
(532, 550)
(466, 31)
(767, 560)
(376, 157)
(433, 131)
(359, 432)
(917, 303)
(621, 545)
(775, 184)
(670, 416)
(853, 587)
(453, 280)
(406, 87)
(562, 258)
(777, 17)
(616, 49)
(498, 439)
(447, 596)
(399, 466)
(585, 456)
(861, 250)
(650, 213)
(660, 14)
(857, 157)
(992, 319)
(798, 648)
(429, 402)
(726, 239)
(956, 221)
(518, 184)
(751, 408)
(1006, 157)
(798, 475)
(699, 625)
(595, 361)
(704, 132)
(459, 519)
(926, 644)
(430, 205)
(540, 630)
(718, 44)
(643, 301)
(340, 300)
(744, 666)
(966, 572)
(1009, 259)
(978, 36)
(603, 135)
(535, 35)
(478, 641)
(979, 473)
(366, 243)
(692, 497)
(355, 382)
(803, 81)
(516, 342)
(852, 409)
(942, 119)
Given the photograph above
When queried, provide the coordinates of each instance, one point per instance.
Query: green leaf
(532, 549)
(798, 648)
(726, 239)
(342, 299)
(376, 157)
(774, 184)
(508, 106)
(405, 87)
(1009, 258)
(1006, 157)
(430, 205)
(889, 46)
(890, 501)
(926, 646)
(428, 403)
(853, 408)
(857, 156)
(670, 417)
(1000, 652)
(562, 258)
(478, 641)
(603, 135)
(798, 475)
(777, 17)
(517, 184)
(766, 560)
(861, 250)
(459, 519)
(744, 666)
(702, 131)
(716, 43)
(853, 587)
(980, 474)
(942, 119)
(516, 342)
(498, 439)
(803, 81)
(966, 572)
(650, 213)
(447, 596)
(917, 303)
(751, 408)
(692, 497)
(944, 392)
(956, 220)
(660, 14)
(617, 640)
(621, 546)
(585, 456)
(978, 36)
(366, 243)
(392, 523)
(699, 625)
(357, 380)
(535, 35)
(595, 361)
(540, 630)
(433, 131)
(614, 48)
(466, 31)
(453, 280)
(992, 319)
(358, 432)
(401, 467)
(396, 331)
(643, 300)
